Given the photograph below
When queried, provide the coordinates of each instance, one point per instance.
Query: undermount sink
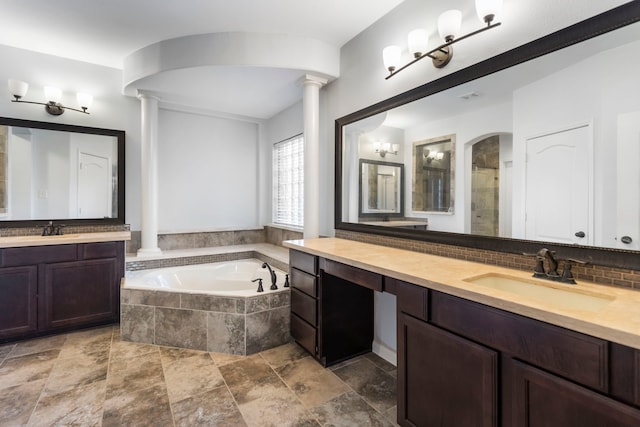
(567, 298)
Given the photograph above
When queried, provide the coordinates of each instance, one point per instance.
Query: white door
(558, 187)
(628, 182)
(94, 186)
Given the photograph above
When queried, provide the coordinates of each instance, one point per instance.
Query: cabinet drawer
(303, 261)
(573, 355)
(411, 299)
(304, 282)
(303, 333)
(99, 250)
(353, 274)
(304, 306)
(38, 255)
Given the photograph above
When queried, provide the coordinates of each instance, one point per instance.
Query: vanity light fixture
(384, 148)
(433, 155)
(18, 89)
(449, 24)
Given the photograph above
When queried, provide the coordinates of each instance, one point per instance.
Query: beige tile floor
(91, 378)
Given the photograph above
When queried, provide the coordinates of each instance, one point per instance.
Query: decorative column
(149, 172)
(311, 109)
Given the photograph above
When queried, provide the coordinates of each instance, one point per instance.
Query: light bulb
(18, 88)
(488, 9)
(418, 40)
(391, 57)
(52, 94)
(449, 23)
(85, 100)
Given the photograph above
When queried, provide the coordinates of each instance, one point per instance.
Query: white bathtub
(229, 278)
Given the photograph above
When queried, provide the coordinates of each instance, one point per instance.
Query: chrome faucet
(273, 276)
(552, 262)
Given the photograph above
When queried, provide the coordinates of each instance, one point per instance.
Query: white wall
(110, 108)
(207, 172)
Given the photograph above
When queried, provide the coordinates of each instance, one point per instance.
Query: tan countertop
(617, 321)
(21, 241)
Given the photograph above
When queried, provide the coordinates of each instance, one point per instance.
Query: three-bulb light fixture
(384, 148)
(18, 89)
(449, 24)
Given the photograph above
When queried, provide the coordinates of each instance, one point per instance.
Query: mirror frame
(613, 19)
(120, 136)
(400, 212)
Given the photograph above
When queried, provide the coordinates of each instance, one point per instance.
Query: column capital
(310, 79)
(140, 94)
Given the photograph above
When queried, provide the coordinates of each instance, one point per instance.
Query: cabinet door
(18, 301)
(444, 380)
(79, 293)
(540, 399)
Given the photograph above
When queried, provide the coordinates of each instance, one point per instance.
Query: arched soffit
(235, 49)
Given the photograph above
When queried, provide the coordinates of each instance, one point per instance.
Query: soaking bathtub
(210, 307)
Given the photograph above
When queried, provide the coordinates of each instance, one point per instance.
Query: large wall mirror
(64, 173)
(545, 144)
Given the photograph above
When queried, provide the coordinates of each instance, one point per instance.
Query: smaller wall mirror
(433, 175)
(60, 172)
(381, 189)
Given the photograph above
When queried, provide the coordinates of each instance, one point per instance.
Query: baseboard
(385, 352)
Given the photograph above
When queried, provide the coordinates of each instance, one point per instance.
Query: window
(288, 182)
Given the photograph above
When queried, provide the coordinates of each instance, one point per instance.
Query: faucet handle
(567, 275)
(260, 289)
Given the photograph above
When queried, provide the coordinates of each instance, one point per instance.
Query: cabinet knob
(626, 240)
(580, 234)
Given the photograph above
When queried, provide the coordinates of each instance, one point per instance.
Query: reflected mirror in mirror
(60, 172)
(381, 189)
(433, 174)
(545, 150)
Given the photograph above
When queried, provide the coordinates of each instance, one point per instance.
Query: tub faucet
(273, 276)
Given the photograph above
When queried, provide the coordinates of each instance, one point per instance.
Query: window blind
(288, 182)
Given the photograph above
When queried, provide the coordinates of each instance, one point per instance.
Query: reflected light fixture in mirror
(449, 24)
(53, 95)
(384, 148)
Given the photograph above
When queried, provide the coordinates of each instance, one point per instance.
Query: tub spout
(273, 276)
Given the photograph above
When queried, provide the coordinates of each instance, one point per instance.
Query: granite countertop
(64, 239)
(618, 320)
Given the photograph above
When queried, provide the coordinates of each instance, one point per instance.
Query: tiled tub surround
(277, 256)
(233, 325)
(208, 239)
(201, 321)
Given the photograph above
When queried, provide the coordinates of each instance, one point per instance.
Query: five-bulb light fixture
(18, 89)
(449, 24)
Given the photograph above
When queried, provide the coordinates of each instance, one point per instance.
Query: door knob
(580, 234)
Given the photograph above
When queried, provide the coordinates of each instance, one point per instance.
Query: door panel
(558, 189)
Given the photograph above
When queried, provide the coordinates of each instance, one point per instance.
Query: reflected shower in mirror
(433, 174)
(544, 150)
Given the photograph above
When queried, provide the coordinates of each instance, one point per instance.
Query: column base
(146, 252)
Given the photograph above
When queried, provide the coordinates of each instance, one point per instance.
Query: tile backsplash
(593, 273)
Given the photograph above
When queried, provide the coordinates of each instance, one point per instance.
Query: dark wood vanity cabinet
(47, 289)
(464, 363)
(331, 307)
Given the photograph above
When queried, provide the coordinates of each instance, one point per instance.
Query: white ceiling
(105, 32)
